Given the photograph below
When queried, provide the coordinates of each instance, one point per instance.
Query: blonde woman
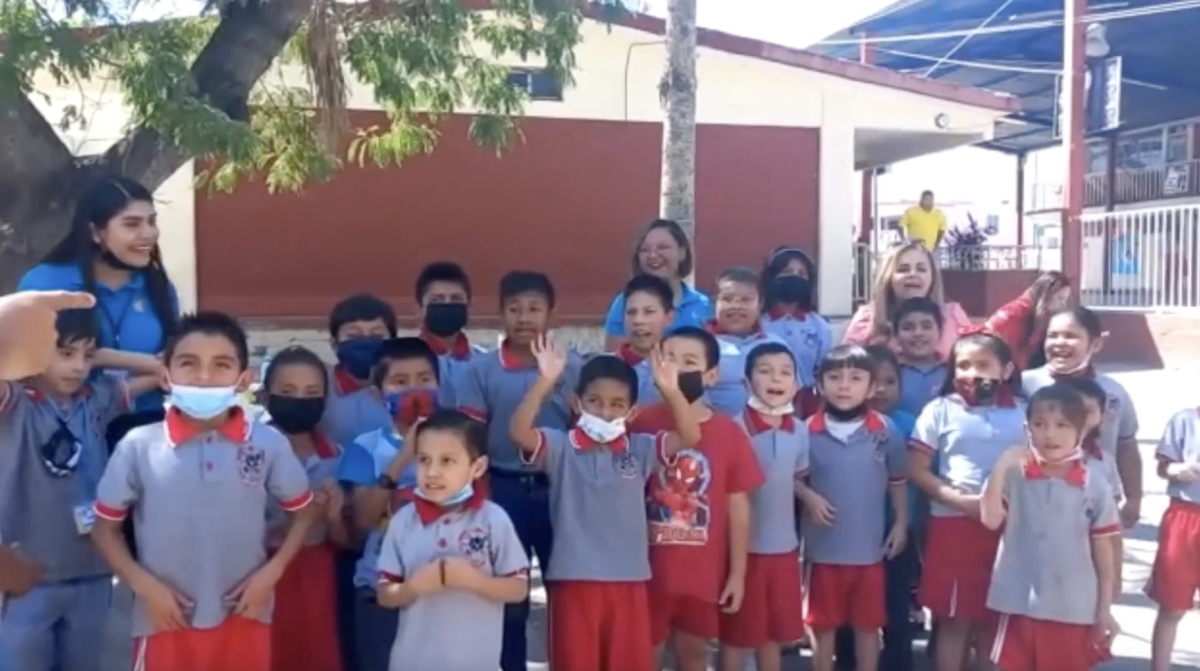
(908, 271)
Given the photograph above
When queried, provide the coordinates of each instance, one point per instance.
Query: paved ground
(1157, 395)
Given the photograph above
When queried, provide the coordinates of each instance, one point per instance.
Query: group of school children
(658, 488)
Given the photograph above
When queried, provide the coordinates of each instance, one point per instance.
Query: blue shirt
(917, 509)
(692, 309)
(126, 318)
(363, 461)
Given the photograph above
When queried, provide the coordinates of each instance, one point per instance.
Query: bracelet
(442, 571)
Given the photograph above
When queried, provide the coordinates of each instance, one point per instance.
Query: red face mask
(409, 406)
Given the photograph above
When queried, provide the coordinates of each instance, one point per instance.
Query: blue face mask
(462, 496)
(357, 355)
(202, 402)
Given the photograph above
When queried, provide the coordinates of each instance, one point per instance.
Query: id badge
(85, 518)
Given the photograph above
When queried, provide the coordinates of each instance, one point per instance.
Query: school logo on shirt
(627, 465)
(678, 501)
(252, 464)
(139, 305)
(473, 545)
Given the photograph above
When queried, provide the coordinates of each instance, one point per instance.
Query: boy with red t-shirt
(699, 512)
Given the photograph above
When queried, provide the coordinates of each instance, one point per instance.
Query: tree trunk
(677, 91)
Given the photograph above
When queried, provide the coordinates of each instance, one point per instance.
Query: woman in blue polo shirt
(111, 251)
(662, 250)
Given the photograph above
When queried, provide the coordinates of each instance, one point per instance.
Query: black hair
(75, 325)
(883, 355)
(1061, 397)
(402, 349)
(100, 201)
(843, 357)
(211, 322)
(295, 355)
(739, 275)
(655, 286)
(926, 192)
(1089, 320)
(471, 432)
(362, 307)
(769, 348)
(608, 367)
(441, 271)
(518, 282)
(921, 305)
(1087, 388)
(777, 261)
(992, 343)
(712, 349)
(677, 233)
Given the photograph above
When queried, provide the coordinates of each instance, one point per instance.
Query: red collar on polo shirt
(459, 348)
(781, 311)
(430, 512)
(582, 441)
(625, 353)
(345, 383)
(181, 429)
(1076, 474)
(713, 327)
(873, 421)
(510, 360)
(756, 423)
(1088, 373)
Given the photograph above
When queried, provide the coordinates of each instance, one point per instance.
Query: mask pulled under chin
(1084, 364)
(601, 430)
(461, 496)
(202, 402)
(978, 390)
(758, 405)
(846, 415)
(1074, 455)
(115, 263)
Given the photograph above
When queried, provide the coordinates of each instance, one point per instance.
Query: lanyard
(115, 323)
(88, 470)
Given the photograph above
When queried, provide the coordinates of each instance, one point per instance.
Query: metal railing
(975, 258)
(1176, 180)
(1141, 258)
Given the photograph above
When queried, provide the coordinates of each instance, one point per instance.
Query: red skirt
(304, 630)
(957, 569)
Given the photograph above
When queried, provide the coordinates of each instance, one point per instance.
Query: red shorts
(838, 596)
(683, 613)
(304, 633)
(957, 569)
(1176, 577)
(1024, 644)
(236, 643)
(600, 626)
(770, 611)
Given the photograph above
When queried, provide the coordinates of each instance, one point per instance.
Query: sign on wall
(1102, 97)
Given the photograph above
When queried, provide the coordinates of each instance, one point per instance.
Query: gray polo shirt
(966, 442)
(452, 369)
(38, 506)
(351, 410)
(199, 504)
(453, 629)
(1181, 444)
(1120, 418)
(1045, 569)
(729, 395)
(783, 456)
(920, 383)
(854, 474)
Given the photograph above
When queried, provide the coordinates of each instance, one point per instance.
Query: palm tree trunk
(677, 91)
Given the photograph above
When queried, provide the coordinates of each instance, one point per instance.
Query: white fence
(1142, 258)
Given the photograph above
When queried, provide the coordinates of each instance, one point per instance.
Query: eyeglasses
(60, 454)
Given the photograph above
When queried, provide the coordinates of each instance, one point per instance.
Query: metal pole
(1074, 133)
(869, 228)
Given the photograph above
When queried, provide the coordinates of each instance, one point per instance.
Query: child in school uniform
(699, 511)
(599, 613)
(443, 294)
(649, 312)
(452, 560)
(378, 469)
(52, 453)
(211, 475)
(790, 300)
(966, 430)
(304, 633)
(1054, 578)
(493, 388)
(1175, 581)
(769, 616)
(737, 328)
(918, 328)
(856, 464)
(357, 326)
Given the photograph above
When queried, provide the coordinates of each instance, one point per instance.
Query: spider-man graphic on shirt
(678, 505)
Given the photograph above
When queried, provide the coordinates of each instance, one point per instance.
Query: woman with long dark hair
(1021, 323)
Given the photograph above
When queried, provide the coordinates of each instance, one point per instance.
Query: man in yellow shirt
(924, 222)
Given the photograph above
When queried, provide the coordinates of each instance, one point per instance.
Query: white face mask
(600, 430)
(757, 405)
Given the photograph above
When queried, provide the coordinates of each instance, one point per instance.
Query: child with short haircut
(212, 475)
(856, 463)
(1056, 510)
(450, 561)
(737, 328)
(599, 613)
(357, 326)
(965, 431)
(443, 294)
(769, 617)
(52, 430)
(649, 312)
(1175, 580)
(379, 471)
(494, 388)
(790, 296)
(918, 328)
(699, 511)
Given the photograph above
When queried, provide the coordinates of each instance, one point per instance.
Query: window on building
(1097, 158)
(537, 82)
(1177, 144)
(1143, 149)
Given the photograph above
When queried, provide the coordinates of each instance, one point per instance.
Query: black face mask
(978, 390)
(848, 415)
(295, 415)
(113, 262)
(691, 383)
(445, 319)
(792, 290)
